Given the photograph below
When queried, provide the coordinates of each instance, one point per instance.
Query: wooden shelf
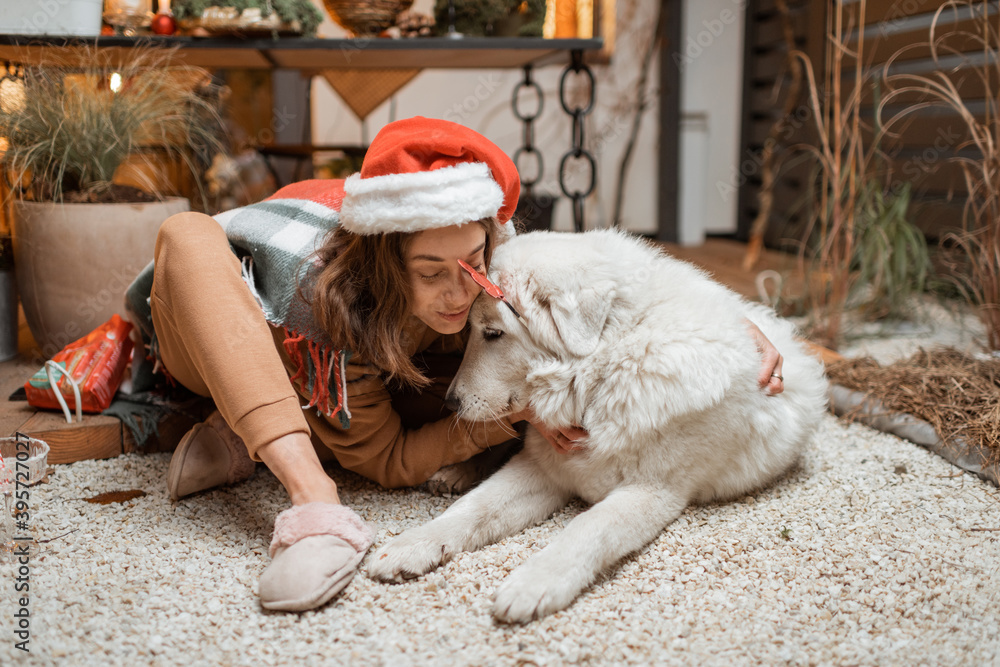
(311, 54)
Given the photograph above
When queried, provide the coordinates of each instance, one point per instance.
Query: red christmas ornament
(163, 24)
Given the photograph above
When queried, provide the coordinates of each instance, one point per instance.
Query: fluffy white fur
(654, 359)
(417, 201)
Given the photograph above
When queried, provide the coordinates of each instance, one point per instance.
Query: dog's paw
(530, 593)
(453, 479)
(410, 555)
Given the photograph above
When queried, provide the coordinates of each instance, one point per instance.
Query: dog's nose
(451, 401)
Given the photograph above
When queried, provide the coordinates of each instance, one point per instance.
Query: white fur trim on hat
(413, 202)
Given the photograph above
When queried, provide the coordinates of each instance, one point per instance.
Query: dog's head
(565, 310)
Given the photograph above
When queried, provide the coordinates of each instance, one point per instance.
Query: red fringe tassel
(338, 380)
(326, 366)
(291, 344)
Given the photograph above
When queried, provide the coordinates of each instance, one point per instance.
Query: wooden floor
(103, 437)
(723, 259)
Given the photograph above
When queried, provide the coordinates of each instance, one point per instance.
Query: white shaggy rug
(868, 553)
(872, 551)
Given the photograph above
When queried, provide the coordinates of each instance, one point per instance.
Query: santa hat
(424, 173)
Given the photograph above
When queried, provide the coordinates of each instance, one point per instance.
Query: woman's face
(442, 291)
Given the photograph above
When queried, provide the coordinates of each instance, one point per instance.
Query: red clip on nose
(488, 287)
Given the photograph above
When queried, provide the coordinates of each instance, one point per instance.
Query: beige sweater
(401, 437)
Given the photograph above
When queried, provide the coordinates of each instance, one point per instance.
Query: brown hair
(362, 295)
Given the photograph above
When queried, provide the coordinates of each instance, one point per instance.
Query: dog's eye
(492, 334)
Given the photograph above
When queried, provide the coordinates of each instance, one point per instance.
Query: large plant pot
(74, 261)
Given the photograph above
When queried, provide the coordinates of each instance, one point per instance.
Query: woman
(368, 331)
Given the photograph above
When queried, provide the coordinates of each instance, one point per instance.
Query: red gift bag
(96, 364)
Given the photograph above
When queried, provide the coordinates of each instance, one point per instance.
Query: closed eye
(492, 334)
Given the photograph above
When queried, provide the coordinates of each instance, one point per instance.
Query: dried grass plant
(843, 161)
(68, 129)
(860, 248)
(978, 278)
(957, 394)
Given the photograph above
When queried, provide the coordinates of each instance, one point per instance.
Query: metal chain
(528, 137)
(577, 66)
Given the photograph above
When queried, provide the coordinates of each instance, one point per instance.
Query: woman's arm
(380, 446)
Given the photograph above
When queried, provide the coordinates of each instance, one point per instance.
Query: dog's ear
(580, 316)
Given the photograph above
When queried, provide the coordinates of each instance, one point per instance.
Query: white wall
(480, 99)
(711, 57)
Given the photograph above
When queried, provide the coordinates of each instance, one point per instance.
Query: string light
(12, 95)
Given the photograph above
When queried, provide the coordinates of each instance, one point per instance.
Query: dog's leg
(628, 519)
(506, 503)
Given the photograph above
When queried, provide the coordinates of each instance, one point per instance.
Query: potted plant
(248, 16)
(79, 233)
(506, 18)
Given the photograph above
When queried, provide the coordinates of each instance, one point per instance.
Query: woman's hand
(769, 375)
(563, 440)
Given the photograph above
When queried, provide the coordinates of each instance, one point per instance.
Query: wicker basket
(33, 462)
(365, 17)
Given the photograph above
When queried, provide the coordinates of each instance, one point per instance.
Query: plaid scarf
(276, 240)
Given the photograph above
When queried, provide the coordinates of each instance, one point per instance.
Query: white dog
(654, 360)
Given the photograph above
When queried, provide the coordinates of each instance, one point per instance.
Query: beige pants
(213, 336)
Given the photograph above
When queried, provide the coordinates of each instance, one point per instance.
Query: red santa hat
(424, 173)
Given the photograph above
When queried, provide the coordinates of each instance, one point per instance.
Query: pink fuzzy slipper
(315, 552)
